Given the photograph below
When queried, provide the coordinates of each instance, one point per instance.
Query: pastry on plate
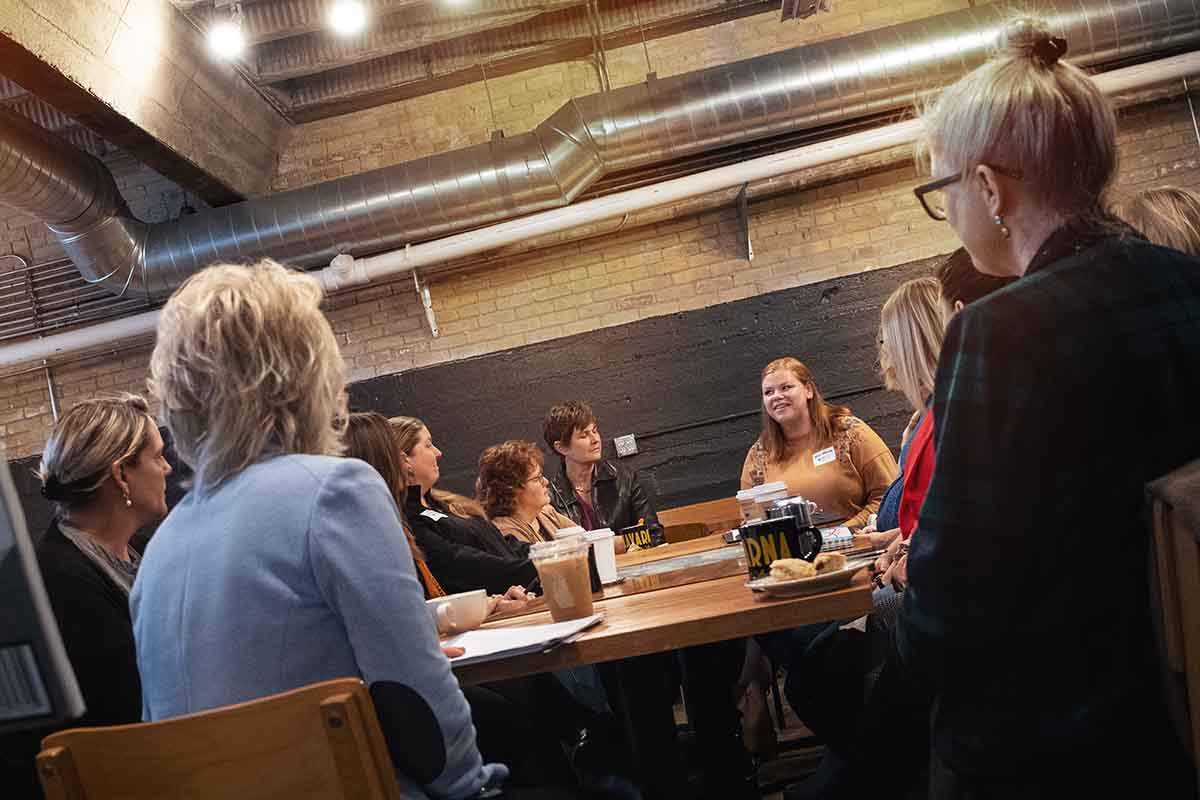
(829, 562)
(790, 569)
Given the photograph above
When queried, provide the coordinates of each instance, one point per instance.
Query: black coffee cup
(637, 535)
(768, 540)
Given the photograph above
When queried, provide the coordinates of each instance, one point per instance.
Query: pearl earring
(1004, 231)
(128, 502)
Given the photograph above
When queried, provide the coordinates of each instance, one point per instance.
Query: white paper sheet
(489, 644)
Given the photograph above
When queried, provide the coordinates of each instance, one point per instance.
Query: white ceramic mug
(460, 612)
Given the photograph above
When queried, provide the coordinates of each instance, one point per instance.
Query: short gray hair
(1027, 111)
(85, 443)
(246, 361)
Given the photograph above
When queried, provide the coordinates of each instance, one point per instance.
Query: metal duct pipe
(549, 167)
(346, 271)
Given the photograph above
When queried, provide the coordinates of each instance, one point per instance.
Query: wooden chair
(1177, 557)
(319, 741)
(684, 532)
(715, 515)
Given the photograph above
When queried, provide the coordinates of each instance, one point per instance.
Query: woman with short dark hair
(594, 491)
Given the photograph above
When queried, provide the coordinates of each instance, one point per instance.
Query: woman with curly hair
(515, 494)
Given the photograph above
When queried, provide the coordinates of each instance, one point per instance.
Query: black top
(467, 553)
(93, 617)
(617, 498)
(1057, 399)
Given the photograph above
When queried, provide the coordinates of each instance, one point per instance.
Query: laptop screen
(37, 685)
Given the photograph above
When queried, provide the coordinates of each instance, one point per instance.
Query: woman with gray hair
(1057, 399)
(285, 565)
(104, 471)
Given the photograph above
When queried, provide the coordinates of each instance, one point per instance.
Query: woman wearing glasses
(1042, 671)
(516, 495)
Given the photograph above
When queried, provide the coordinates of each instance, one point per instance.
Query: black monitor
(37, 685)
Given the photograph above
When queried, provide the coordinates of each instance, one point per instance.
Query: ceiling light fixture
(226, 38)
(348, 17)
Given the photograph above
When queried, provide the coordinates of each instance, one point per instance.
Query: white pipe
(61, 344)
(346, 271)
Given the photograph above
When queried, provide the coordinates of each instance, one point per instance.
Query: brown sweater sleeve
(875, 466)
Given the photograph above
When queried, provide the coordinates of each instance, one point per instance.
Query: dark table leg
(642, 691)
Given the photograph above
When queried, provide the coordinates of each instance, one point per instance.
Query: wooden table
(673, 618)
(670, 610)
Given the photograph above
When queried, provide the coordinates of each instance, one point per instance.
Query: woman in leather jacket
(593, 491)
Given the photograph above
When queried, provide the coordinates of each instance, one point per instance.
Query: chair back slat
(319, 741)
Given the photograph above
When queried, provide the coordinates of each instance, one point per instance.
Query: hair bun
(1050, 50)
(55, 490)
(1027, 38)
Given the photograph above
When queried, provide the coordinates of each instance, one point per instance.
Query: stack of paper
(489, 644)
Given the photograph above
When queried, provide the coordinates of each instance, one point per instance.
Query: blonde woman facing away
(1165, 215)
(1041, 669)
(285, 564)
(820, 451)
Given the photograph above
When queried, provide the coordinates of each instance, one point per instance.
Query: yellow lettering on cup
(753, 553)
(770, 554)
(784, 550)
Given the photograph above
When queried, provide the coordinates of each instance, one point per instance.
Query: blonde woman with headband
(1057, 399)
(104, 471)
(285, 564)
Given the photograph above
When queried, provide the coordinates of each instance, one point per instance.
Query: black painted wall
(685, 384)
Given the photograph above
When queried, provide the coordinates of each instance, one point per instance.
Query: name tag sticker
(433, 515)
(824, 456)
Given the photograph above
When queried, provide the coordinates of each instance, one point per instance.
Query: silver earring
(1004, 231)
(128, 502)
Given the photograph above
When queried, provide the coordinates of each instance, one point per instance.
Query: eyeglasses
(539, 478)
(933, 196)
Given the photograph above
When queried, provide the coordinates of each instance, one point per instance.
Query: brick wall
(693, 261)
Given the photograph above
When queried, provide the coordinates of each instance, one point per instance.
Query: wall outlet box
(626, 445)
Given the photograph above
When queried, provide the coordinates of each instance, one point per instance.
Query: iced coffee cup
(562, 567)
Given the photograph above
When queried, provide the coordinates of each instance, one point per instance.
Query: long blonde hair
(1165, 215)
(85, 443)
(823, 415)
(912, 328)
(246, 362)
(1025, 110)
(408, 433)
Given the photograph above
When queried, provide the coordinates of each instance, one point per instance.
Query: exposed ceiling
(414, 47)
(28, 105)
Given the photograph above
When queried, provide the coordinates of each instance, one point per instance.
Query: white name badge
(824, 456)
(433, 515)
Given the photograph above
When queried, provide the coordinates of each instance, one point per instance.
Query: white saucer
(825, 582)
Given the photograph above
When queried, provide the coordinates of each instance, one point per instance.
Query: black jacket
(617, 497)
(93, 617)
(467, 554)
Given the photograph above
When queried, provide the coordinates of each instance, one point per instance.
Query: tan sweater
(549, 520)
(847, 477)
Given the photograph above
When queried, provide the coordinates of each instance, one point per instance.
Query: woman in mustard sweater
(821, 451)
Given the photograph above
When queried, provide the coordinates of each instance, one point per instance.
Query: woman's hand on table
(515, 599)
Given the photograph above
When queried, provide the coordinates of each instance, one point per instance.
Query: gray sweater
(293, 571)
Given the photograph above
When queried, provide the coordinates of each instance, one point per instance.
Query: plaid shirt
(1057, 399)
